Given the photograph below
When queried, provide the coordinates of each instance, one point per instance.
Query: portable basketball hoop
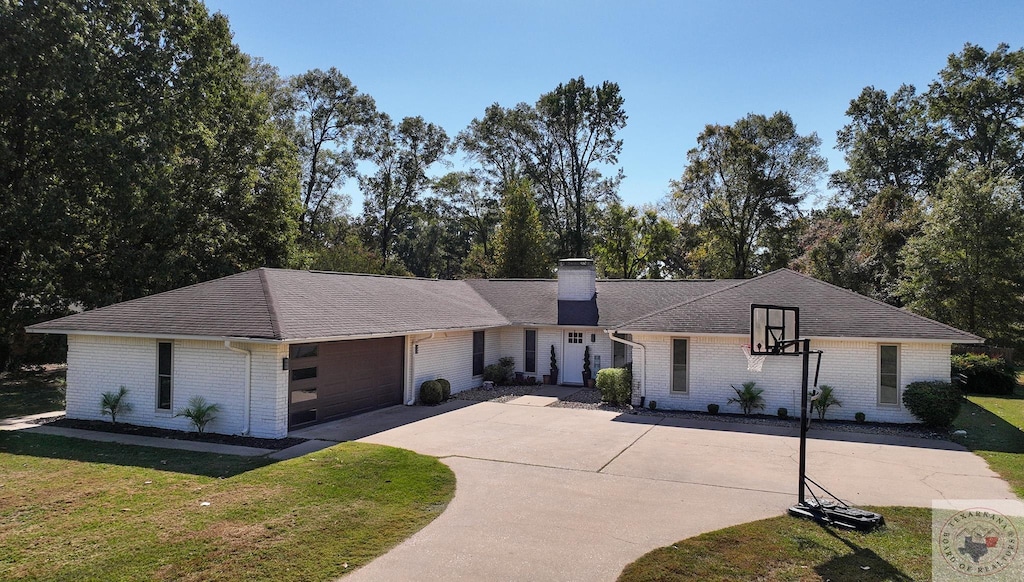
(754, 363)
(775, 331)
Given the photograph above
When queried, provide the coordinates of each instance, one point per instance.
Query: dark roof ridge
(879, 302)
(269, 298)
(665, 280)
(738, 283)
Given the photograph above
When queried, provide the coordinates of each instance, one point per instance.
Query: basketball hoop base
(832, 513)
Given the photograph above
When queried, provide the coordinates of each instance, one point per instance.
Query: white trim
(247, 394)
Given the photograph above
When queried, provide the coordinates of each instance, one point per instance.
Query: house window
(478, 353)
(619, 350)
(575, 337)
(163, 376)
(888, 374)
(530, 351)
(679, 365)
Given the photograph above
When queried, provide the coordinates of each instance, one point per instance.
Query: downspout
(247, 398)
(643, 361)
(412, 365)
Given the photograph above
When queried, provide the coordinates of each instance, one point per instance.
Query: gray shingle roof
(281, 304)
(278, 304)
(535, 301)
(825, 311)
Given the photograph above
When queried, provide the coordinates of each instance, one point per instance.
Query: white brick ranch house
(278, 349)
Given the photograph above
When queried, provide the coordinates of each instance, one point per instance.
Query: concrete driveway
(562, 494)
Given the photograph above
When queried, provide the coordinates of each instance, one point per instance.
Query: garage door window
(478, 353)
(304, 373)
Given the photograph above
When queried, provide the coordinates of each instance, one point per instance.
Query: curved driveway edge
(563, 494)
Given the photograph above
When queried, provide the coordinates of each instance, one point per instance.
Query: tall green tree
(743, 180)
(327, 111)
(567, 144)
(978, 106)
(966, 268)
(137, 154)
(888, 145)
(402, 154)
(632, 245)
(520, 246)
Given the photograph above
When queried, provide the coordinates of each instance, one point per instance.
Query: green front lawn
(31, 392)
(788, 548)
(994, 432)
(80, 510)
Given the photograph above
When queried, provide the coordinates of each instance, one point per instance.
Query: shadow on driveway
(791, 431)
(363, 425)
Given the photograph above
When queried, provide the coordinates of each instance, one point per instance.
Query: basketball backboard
(773, 329)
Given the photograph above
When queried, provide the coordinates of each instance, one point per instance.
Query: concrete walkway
(565, 494)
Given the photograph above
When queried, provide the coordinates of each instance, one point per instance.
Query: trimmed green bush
(431, 393)
(783, 413)
(860, 417)
(934, 403)
(496, 373)
(712, 408)
(615, 385)
(446, 388)
(983, 374)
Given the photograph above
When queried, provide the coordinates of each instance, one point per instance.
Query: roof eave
(218, 338)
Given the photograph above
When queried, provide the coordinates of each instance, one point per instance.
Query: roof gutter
(247, 392)
(156, 335)
(643, 361)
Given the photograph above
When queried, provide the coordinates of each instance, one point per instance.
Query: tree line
(141, 151)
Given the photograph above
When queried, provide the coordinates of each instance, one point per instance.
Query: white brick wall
(577, 280)
(450, 356)
(98, 364)
(851, 368)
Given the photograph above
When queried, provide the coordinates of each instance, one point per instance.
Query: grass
(995, 432)
(78, 510)
(788, 548)
(31, 392)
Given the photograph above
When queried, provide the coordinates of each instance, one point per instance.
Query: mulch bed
(149, 431)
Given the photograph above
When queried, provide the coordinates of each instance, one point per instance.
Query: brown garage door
(334, 379)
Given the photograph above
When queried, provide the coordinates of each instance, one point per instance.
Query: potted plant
(586, 366)
(554, 366)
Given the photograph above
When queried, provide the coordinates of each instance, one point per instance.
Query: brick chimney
(577, 280)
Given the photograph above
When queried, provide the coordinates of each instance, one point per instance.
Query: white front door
(572, 357)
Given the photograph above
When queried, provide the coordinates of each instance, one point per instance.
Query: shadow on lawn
(851, 566)
(176, 461)
(987, 431)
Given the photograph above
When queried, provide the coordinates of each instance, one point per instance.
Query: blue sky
(680, 65)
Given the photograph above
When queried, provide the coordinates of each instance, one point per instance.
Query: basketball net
(754, 363)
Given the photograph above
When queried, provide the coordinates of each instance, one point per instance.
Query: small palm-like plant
(200, 412)
(114, 403)
(824, 400)
(749, 398)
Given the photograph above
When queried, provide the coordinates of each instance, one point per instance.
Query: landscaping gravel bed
(589, 399)
(499, 394)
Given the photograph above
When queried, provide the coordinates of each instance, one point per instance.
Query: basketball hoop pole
(806, 349)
